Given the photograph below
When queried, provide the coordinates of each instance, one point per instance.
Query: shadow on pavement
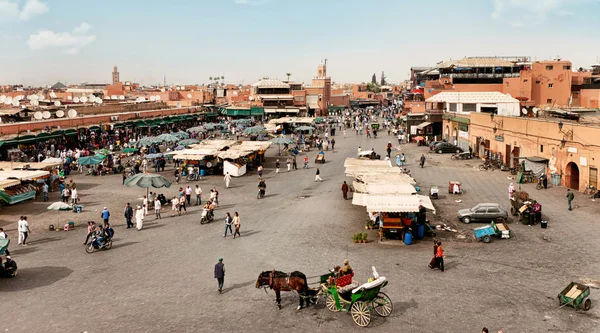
(119, 245)
(43, 240)
(23, 250)
(35, 277)
(154, 226)
(238, 285)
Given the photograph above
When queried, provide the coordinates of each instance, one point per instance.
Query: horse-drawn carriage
(341, 293)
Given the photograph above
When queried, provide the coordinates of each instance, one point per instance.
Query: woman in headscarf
(511, 190)
(139, 218)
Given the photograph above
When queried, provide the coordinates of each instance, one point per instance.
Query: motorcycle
(93, 245)
(487, 165)
(461, 156)
(261, 193)
(540, 183)
(207, 216)
(194, 176)
(9, 268)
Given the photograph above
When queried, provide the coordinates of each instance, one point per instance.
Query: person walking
(422, 160)
(157, 208)
(220, 274)
(433, 262)
(260, 170)
(188, 195)
(45, 191)
(74, 196)
(570, 197)
(228, 221)
(23, 228)
(294, 163)
(145, 205)
(66, 194)
(182, 205)
(511, 190)
(128, 213)
(236, 224)
(305, 162)
(277, 166)
(139, 218)
(332, 143)
(124, 177)
(288, 162)
(105, 215)
(198, 195)
(439, 255)
(227, 179)
(318, 175)
(3, 235)
(345, 190)
(174, 205)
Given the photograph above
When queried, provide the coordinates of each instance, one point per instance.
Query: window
(480, 211)
(566, 67)
(452, 107)
(493, 210)
(525, 80)
(538, 82)
(550, 85)
(507, 84)
(541, 148)
(549, 67)
(549, 100)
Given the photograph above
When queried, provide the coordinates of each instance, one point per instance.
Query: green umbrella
(58, 206)
(102, 151)
(91, 160)
(188, 142)
(168, 138)
(196, 129)
(129, 150)
(254, 130)
(282, 141)
(147, 180)
(146, 141)
(181, 135)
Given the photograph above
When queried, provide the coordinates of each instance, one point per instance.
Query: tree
(383, 82)
(288, 75)
(210, 78)
(374, 79)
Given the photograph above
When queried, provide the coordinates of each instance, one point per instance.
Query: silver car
(483, 212)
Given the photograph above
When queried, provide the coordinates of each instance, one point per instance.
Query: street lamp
(495, 129)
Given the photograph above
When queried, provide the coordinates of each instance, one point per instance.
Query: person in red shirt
(439, 255)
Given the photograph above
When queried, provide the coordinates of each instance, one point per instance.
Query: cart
(451, 187)
(576, 295)
(485, 233)
(342, 294)
(320, 158)
(434, 192)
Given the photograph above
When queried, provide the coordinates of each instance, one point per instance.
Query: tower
(322, 70)
(115, 75)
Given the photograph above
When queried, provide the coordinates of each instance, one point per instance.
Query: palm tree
(222, 78)
(288, 75)
(210, 78)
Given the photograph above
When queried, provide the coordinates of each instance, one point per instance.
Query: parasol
(153, 156)
(282, 141)
(147, 180)
(146, 141)
(58, 206)
(167, 138)
(102, 151)
(129, 150)
(91, 160)
(181, 135)
(188, 142)
(196, 129)
(254, 130)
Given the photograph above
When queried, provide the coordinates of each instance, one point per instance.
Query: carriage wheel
(382, 304)
(330, 303)
(361, 314)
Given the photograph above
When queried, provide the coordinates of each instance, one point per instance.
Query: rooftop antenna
(325, 61)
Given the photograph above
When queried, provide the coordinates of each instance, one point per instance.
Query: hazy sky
(43, 41)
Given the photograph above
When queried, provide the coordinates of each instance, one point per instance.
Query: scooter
(93, 245)
(261, 193)
(207, 216)
(9, 268)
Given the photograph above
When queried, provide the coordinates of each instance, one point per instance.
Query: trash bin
(408, 238)
(527, 218)
(420, 231)
(203, 172)
(544, 224)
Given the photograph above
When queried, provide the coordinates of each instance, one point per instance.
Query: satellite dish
(37, 115)
(57, 103)
(122, 98)
(69, 97)
(52, 95)
(152, 98)
(76, 100)
(34, 97)
(209, 164)
(162, 90)
(99, 100)
(91, 97)
(60, 113)
(189, 95)
(46, 115)
(15, 103)
(2, 99)
(83, 99)
(114, 97)
(157, 97)
(72, 113)
(35, 102)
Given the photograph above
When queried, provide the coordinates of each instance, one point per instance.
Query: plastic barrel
(420, 231)
(544, 224)
(202, 172)
(408, 238)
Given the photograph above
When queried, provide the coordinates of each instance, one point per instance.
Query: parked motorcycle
(93, 245)
(487, 165)
(461, 156)
(195, 175)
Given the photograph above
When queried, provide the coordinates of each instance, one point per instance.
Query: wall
(519, 87)
(541, 137)
(590, 98)
(559, 77)
(340, 100)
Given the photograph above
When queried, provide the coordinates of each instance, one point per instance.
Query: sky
(188, 41)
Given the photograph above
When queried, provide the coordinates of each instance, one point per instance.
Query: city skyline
(245, 40)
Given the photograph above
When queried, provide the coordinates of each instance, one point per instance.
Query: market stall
(20, 185)
(238, 158)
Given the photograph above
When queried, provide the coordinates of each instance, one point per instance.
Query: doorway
(515, 155)
(572, 176)
(593, 177)
(507, 156)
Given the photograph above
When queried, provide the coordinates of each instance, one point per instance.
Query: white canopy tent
(394, 203)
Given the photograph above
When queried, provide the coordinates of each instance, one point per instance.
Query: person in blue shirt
(105, 215)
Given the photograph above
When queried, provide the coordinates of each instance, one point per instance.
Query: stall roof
(253, 145)
(351, 162)
(354, 171)
(8, 183)
(381, 189)
(292, 120)
(535, 159)
(28, 165)
(423, 125)
(23, 174)
(234, 153)
(199, 151)
(192, 157)
(374, 178)
(215, 144)
(395, 203)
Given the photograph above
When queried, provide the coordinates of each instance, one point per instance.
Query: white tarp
(8, 183)
(395, 203)
(235, 170)
(537, 168)
(233, 154)
(202, 151)
(385, 188)
(351, 162)
(374, 178)
(23, 174)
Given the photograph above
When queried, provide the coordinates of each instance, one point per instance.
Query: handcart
(576, 295)
(485, 233)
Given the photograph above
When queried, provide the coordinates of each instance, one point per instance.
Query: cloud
(251, 2)
(68, 42)
(521, 12)
(9, 10)
(32, 9)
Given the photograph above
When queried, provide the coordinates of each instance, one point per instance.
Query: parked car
(445, 147)
(483, 212)
(433, 144)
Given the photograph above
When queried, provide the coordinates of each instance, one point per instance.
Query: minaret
(115, 75)
(322, 70)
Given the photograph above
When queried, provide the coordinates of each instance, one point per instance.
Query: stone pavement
(160, 279)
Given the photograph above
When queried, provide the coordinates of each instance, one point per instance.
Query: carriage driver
(346, 269)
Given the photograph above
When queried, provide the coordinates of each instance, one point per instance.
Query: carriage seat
(345, 284)
(370, 285)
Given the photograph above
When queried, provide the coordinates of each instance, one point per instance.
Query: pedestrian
(439, 255)
(228, 221)
(45, 191)
(23, 228)
(345, 190)
(332, 143)
(105, 215)
(220, 274)
(174, 205)
(277, 166)
(485, 330)
(260, 170)
(236, 224)
(318, 175)
(288, 162)
(345, 133)
(389, 151)
(511, 191)
(66, 194)
(294, 164)
(91, 229)
(432, 263)
(422, 160)
(139, 218)
(124, 177)
(227, 179)
(358, 150)
(128, 213)
(188, 195)
(198, 195)
(305, 162)
(3, 235)
(157, 208)
(145, 205)
(182, 205)
(570, 197)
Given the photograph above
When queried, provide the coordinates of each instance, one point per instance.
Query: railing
(480, 75)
